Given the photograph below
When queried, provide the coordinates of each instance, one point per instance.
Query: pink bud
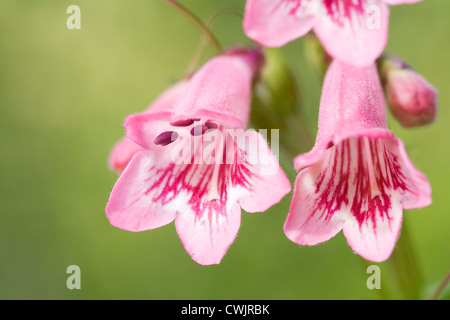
(410, 97)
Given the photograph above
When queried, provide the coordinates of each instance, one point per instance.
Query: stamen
(165, 138)
(182, 123)
(375, 191)
(213, 191)
(199, 130)
(211, 125)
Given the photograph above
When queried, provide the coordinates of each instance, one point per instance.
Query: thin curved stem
(406, 265)
(441, 288)
(195, 61)
(198, 23)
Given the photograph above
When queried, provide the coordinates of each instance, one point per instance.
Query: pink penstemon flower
(192, 170)
(125, 148)
(358, 177)
(353, 31)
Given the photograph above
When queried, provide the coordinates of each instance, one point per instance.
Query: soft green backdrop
(63, 97)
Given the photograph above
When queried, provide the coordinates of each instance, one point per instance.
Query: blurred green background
(63, 97)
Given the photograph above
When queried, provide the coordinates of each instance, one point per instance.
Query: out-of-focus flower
(200, 167)
(410, 97)
(358, 177)
(354, 31)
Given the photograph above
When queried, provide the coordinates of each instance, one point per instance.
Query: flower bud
(412, 100)
(275, 92)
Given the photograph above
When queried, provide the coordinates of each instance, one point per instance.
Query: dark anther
(211, 125)
(199, 130)
(330, 144)
(166, 138)
(182, 123)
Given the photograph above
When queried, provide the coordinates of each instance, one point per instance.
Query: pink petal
(374, 238)
(122, 153)
(268, 183)
(144, 128)
(373, 230)
(356, 35)
(207, 235)
(273, 23)
(125, 148)
(132, 204)
(306, 224)
(418, 186)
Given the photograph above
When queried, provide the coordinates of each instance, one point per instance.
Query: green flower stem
(405, 266)
(199, 24)
(202, 46)
(441, 288)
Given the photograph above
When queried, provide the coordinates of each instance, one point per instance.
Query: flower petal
(122, 153)
(273, 23)
(207, 235)
(374, 237)
(268, 183)
(144, 128)
(418, 186)
(356, 34)
(132, 204)
(125, 148)
(308, 223)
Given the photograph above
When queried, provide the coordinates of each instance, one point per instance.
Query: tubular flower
(353, 31)
(199, 166)
(125, 149)
(358, 176)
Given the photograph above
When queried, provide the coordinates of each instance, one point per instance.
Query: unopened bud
(280, 82)
(412, 100)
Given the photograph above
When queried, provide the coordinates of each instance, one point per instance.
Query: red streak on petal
(345, 182)
(340, 10)
(193, 180)
(337, 10)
